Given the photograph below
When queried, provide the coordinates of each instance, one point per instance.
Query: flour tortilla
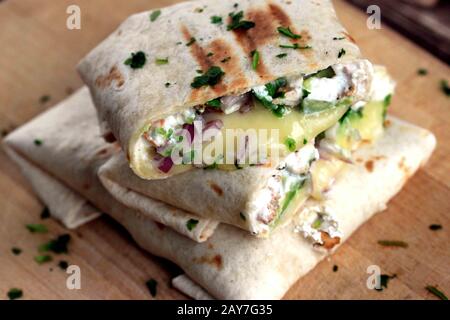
(231, 264)
(129, 99)
(69, 157)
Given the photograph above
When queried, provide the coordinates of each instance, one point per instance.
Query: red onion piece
(190, 129)
(166, 164)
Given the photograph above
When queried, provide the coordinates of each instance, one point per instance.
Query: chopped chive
(295, 46)
(36, 228)
(255, 59)
(436, 292)
(161, 61)
(393, 243)
(216, 20)
(190, 42)
(281, 55)
(341, 52)
(290, 144)
(137, 60)
(288, 33)
(43, 258)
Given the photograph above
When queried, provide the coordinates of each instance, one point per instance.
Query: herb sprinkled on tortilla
(137, 60)
(58, 245)
(238, 23)
(36, 228)
(341, 53)
(216, 20)
(154, 15)
(255, 59)
(295, 46)
(288, 33)
(191, 42)
(281, 55)
(161, 61)
(191, 224)
(210, 77)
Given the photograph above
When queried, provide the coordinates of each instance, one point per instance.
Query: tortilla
(231, 264)
(128, 99)
(70, 132)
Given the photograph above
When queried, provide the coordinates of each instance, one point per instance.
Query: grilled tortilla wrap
(62, 149)
(259, 198)
(283, 65)
(231, 264)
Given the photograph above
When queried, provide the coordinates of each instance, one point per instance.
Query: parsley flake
(137, 60)
(216, 20)
(422, 72)
(210, 77)
(341, 53)
(288, 33)
(281, 55)
(445, 88)
(58, 245)
(152, 285)
(154, 15)
(38, 142)
(191, 224)
(14, 293)
(238, 23)
(338, 38)
(290, 144)
(43, 259)
(242, 216)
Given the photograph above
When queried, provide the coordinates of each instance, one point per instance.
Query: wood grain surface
(37, 69)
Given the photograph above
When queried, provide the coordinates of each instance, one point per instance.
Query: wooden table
(37, 60)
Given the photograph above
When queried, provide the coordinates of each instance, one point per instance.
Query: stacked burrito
(242, 141)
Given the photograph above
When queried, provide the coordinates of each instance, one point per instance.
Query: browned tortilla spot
(369, 165)
(216, 188)
(402, 166)
(210, 246)
(328, 242)
(222, 50)
(205, 62)
(102, 152)
(86, 185)
(387, 123)
(215, 261)
(262, 33)
(114, 74)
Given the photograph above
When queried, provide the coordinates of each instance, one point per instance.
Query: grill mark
(263, 32)
(218, 190)
(232, 68)
(114, 74)
(215, 261)
(205, 63)
(349, 37)
(284, 20)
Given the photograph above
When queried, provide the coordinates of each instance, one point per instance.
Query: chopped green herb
(255, 59)
(238, 23)
(242, 216)
(210, 54)
(384, 280)
(335, 268)
(435, 227)
(191, 42)
(199, 71)
(36, 228)
(161, 61)
(167, 84)
(288, 33)
(290, 144)
(338, 38)
(215, 103)
(210, 77)
(236, 5)
(58, 245)
(216, 20)
(305, 141)
(45, 213)
(179, 43)
(44, 99)
(422, 72)
(16, 251)
(295, 46)
(281, 55)
(393, 243)
(274, 86)
(63, 264)
(341, 52)
(191, 224)
(152, 285)
(154, 15)
(436, 292)
(386, 104)
(14, 293)
(225, 59)
(325, 73)
(317, 223)
(445, 88)
(137, 60)
(43, 259)
(38, 142)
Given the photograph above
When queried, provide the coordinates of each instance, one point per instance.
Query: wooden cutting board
(37, 61)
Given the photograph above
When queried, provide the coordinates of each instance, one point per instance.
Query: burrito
(261, 198)
(231, 264)
(223, 85)
(61, 151)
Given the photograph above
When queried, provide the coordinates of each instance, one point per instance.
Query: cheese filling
(341, 85)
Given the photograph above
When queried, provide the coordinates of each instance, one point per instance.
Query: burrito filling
(310, 171)
(298, 108)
